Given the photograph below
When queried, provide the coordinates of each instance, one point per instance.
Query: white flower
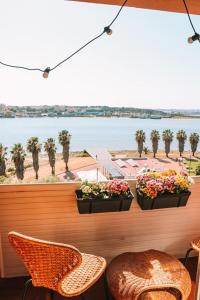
(86, 189)
(190, 180)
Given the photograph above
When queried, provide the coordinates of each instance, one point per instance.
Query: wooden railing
(48, 211)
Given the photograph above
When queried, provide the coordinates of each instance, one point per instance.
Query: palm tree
(155, 137)
(3, 154)
(18, 157)
(64, 139)
(194, 140)
(181, 137)
(34, 148)
(167, 136)
(50, 148)
(140, 138)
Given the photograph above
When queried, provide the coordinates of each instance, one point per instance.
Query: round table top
(136, 275)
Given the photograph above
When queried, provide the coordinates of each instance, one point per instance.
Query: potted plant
(95, 197)
(162, 189)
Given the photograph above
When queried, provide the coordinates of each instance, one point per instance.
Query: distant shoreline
(54, 111)
(104, 117)
(186, 117)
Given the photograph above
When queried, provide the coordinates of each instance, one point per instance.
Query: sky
(146, 62)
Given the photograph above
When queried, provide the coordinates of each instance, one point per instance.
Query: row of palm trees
(34, 147)
(18, 154)
(167, 137)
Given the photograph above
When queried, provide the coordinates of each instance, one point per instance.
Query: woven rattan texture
(129, 275)
(47, 263)
(196, 244)
(57, 266)
(82, 277)
(168, 294)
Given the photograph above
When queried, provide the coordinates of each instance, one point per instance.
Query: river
(110, 133)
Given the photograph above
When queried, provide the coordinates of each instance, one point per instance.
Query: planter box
(163, 201)
(184, 198)
(88, 206)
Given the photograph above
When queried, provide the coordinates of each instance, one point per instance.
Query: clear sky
(147, 62)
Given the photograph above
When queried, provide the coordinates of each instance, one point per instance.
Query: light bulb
(190, 40)
(108, 30)
(46, 72)
(193, 38)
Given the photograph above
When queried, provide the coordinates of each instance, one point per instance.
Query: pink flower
(117, 186)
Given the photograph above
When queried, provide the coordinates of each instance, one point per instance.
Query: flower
(93, 189)
(107, 190)
(117, 186)
(151, 184)
(182, 183)
(86, 189)
(169, 172)
(191, 180)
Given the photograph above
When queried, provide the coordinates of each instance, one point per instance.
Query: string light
(46, 71)
(196, 36)
(193, 38)
(108, 30)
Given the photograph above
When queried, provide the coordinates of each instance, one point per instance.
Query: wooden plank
(37, 187)
(37, 194)
(9, 202)
(28, 208)
(115, 230)
(87, 223)
(70, 213)
(61, 201)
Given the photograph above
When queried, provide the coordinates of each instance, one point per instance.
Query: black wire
(71, 55)
(118, 13)
(64, 60)
(189, 16)
(20, 67)
(92, 40)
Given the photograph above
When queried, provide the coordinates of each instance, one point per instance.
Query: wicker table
(149, 275)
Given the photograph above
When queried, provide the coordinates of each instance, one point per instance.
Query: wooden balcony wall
(48, 211)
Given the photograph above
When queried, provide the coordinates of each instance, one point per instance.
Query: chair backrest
(45, 261)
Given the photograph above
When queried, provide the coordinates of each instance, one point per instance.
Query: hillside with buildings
(80, 111)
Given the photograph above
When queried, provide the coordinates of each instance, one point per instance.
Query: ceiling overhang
(164, 5)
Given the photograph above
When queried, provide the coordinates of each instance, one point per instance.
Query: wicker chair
(148, 275)
(195, 245)
(58, 267)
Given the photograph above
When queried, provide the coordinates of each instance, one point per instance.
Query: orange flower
(169, 172)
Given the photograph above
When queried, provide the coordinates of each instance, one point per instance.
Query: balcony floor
(11, 289)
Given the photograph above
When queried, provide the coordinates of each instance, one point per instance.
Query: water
(110, 133)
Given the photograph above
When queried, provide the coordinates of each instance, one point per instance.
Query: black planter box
(90, 205)
(84, 206)
(105, 205)
(184, 198)
(126, 203)
(163, 201)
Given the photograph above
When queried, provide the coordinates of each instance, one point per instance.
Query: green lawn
(191, 166)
